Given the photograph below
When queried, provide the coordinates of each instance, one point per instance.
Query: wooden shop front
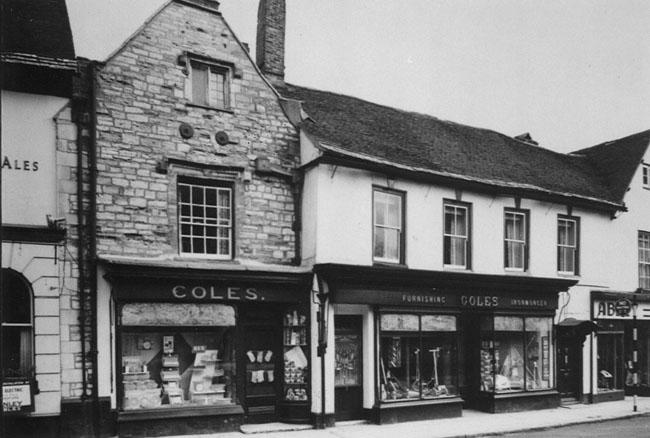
(447, 340)
(202, 351)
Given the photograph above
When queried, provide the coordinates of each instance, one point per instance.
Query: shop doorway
(569, 364)
(348, 382)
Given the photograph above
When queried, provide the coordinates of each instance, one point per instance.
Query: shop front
(199, 351)
(618, 315)
(442, 341)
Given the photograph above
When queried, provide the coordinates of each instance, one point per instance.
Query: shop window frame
(401, 247)
(170, 411)
(219, 185)
(576, 246)
(523, 337)
(447, 237)
(525, 243)
(419, 336)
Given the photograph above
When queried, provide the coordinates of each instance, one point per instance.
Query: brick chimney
(271, 18)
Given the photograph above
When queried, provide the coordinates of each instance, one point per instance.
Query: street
(626, 428)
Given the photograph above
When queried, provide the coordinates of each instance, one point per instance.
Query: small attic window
(645, 168)
(208, 82)
(210, 85)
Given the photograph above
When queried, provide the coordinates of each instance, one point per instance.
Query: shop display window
(610, 361)
(177, 355)
(418, 356)
(516, 353)
(296, 362)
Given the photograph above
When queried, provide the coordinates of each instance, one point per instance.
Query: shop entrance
(348, 378)
(569, 363)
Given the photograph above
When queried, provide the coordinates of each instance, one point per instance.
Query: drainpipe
(92, 237)
(297, 190)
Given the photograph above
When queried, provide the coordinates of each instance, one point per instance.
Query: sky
(572, 73)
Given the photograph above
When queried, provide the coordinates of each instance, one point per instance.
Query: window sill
(568, 275)
(202, 258)
(456, 268)
(388, 404)
(516, 272)
(387, 264)
(197, 411)
(214, 108)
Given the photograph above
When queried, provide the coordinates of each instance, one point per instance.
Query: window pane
(17, 351)
(186, 244)
(509, 356)
(461, 222)
(348, 359)
(458, 251)
(199, 84)
(210, 196)
(610, 362)
(393, 215)
(450, 220)
(399, 322)
(197, 245)
(16, 299)
(539, 354)
(400, 361)
(380, 244)
(438, 323)
(184, 193)
(438, 365)
(211, 246)
(508, 323)
(392, 244)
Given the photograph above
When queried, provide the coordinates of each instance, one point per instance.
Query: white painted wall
(28, 157)
(342, 232)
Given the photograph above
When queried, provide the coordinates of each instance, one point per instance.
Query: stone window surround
(227, 68)
(216, 174)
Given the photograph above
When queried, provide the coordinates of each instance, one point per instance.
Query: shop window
(516, 353)
(568, 238)
(644, 260)
(516, 223)
(610, 361)
(418, 356)
(210, 85)
(388, 234)
(177, 355)
(456, 235)
(17, 327)
(205, 219)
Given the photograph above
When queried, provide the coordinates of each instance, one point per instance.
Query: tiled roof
(420, 141)
(37, 27)
(618, 160)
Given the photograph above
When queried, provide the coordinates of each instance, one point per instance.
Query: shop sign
(617, 309)
(195, 291)
(16, 396)
(446, 299)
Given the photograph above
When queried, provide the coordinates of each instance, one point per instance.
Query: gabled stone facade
(142, 100)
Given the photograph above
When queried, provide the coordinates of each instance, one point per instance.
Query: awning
(580, 327)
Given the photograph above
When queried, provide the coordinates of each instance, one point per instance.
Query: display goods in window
(295, 358)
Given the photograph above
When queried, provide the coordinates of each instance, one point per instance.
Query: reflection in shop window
(515, 353)
(177, 355)
(418, 357)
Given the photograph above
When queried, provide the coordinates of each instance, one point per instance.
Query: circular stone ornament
(186, 131)
(222, 138)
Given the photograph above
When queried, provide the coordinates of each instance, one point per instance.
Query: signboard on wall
(608, 309)
(28, 159)
(16, 396)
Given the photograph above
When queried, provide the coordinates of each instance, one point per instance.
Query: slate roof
(617, 160)
(357, 127)
(37, 27)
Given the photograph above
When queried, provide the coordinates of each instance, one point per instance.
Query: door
(569, 364)
(348, 382)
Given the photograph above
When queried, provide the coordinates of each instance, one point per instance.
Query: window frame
(525, 213)
(28, 290)
(645, 175)
(401, 247)
(644, 282)
(212, 67)
(576, 246)
(219, 185)
(468, 236)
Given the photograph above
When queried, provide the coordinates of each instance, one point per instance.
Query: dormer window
(645, 168)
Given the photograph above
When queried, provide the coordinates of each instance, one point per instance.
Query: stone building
(202, 305)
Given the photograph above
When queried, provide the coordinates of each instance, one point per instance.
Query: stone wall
(142, 101)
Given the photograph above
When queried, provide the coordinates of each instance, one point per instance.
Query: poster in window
(16, 396)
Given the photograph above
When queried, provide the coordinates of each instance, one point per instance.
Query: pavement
(471, 424)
